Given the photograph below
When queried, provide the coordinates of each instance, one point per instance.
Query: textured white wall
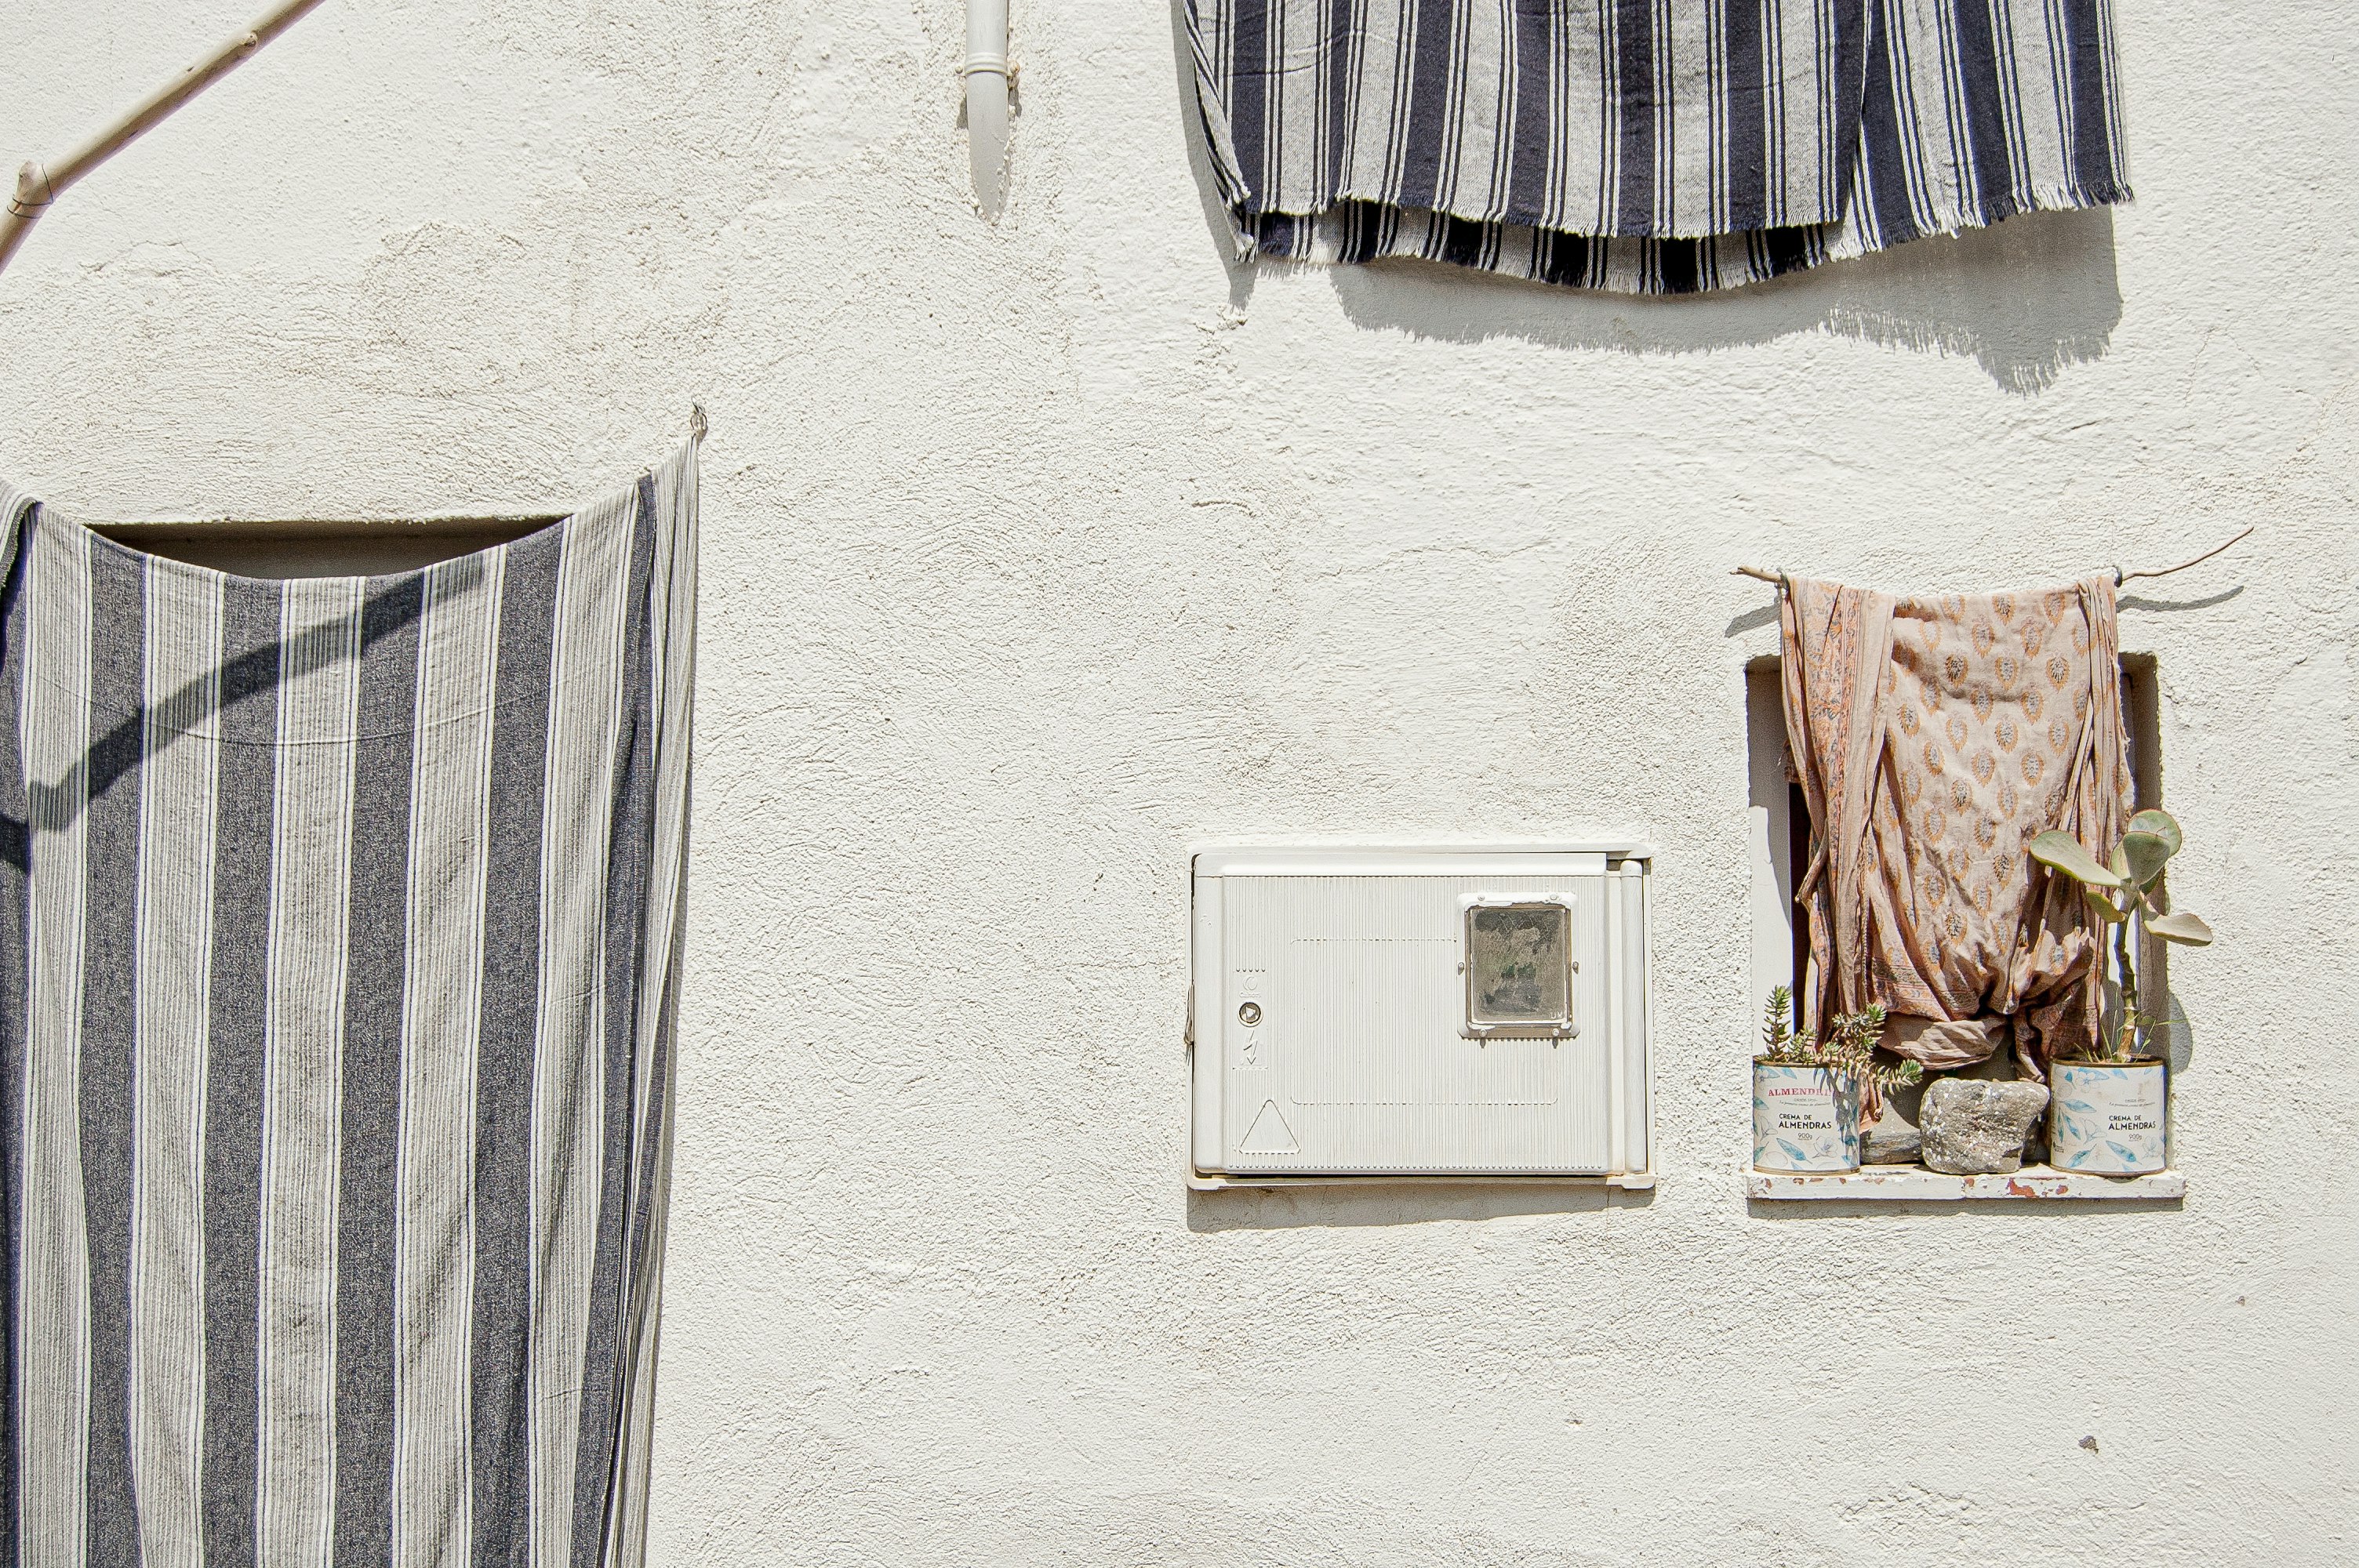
(1033, 554)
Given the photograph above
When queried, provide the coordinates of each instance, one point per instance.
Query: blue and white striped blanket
(1656, 146)
(339, 923)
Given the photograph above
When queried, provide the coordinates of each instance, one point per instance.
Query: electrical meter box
(1389, 1012)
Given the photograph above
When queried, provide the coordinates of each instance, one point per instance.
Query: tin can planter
(2108, 1117)
(1804, 1118)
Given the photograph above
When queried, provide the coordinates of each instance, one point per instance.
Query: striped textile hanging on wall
(1651, 147)
(339, 943)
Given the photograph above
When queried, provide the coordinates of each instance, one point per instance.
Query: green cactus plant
(2126, 890)
(1848, 1047)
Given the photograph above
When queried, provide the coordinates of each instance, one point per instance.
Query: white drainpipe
(987, 72)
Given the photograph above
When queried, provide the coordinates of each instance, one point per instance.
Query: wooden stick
(40, 184)
(2121, 576)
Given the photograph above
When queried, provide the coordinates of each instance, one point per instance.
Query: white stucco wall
(1034, 554)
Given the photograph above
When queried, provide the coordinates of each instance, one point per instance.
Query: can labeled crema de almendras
(2107, 1118)
(1804, 1118)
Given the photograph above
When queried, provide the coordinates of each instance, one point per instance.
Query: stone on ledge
(1891, 1138)
(1973, 1127)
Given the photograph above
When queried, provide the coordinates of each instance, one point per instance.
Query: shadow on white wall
(1345, 1206)
(2025, 299)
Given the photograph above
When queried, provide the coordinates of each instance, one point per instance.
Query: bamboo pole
(38, 184)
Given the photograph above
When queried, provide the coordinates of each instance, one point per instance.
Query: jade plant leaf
(2112, 913)
(2065, 853)
(2183, 926)
(2147, 854)
(2160, 823)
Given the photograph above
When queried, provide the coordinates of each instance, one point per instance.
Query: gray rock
(1973, 1127)
(1891, 1138)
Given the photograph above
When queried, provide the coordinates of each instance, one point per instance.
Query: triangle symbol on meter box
(1269, 1134)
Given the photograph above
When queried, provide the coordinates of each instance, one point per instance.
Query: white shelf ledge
(1914, 1184)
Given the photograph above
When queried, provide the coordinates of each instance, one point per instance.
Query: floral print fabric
(1933, 739)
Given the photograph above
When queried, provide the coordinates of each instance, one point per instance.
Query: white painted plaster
(1034, 552)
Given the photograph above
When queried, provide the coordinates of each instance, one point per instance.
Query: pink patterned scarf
(1933, 739)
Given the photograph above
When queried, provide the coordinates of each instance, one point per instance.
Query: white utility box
(1420, 1012)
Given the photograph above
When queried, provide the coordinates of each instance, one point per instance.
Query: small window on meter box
(1518, 963)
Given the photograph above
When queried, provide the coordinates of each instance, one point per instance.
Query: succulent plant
(1848, 1047)
(2126, 890)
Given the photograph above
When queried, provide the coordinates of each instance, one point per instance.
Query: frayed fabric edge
(1352, 232)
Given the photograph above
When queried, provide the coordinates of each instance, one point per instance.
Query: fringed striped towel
(339, 940)
(1652, 146)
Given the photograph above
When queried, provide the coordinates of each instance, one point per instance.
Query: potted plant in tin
(1806, 1088)
(2108, 1114)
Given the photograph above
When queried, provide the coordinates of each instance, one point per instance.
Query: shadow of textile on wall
(2023, 298)
(137, 736)
(1200, 162)
(1396, 1203)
